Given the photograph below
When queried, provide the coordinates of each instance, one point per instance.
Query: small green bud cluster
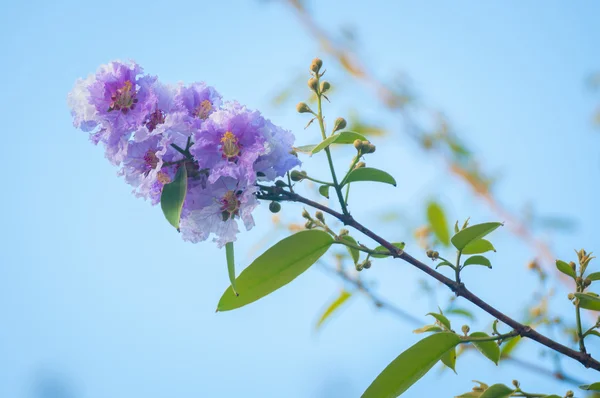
(297, 175)
(364, 147)
(432, 254)
(364, 265)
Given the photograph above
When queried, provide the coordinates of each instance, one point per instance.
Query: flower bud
(587, 282)
(370, 148)
(313, 84)
(298, 175)
(367, 264)
(305, 214)
(325, 86)
(344, 232)
(359, 266)
(308, 225)
(578, 280)
(572, 265)
(570, 296)
(319, 216)
(516, 383)
(339, 124)
(358, 144)
(303, 108)
(280, 184)
(360, 165)
(569, 394)
(274, 207)
(465, 329)
(316, 65)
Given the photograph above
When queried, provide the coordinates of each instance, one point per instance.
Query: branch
(279, 194)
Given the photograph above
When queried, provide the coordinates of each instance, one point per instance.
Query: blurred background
(485, 109)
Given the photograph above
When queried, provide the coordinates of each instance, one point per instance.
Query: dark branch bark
(279, 194)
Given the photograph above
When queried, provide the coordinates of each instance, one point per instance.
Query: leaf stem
(504, 336)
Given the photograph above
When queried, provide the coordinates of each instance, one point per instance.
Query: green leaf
(489, 349)
(479, 246)
(355, 253)
(335, 304)
(509, 347)
(473, 233)
(345, 137)
(428, 328)
(497, 391)
(591, 387)
(231, 265)
(478, 260)
(324, 190)
(456, 229)
(442, 319)
(449, 359)
(588, 301)
(552, 396)
(305, 149)
(594, 276)
(460, 311)
(437, 221)
(565, 268)
(411, 365)
(445, 263)
(277, 267)
(173, 196)
(399, 245)
(594, 332)
(369, 174)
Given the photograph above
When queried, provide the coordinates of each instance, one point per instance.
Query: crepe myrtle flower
(198, 100)
(278, 158)
(216, 209)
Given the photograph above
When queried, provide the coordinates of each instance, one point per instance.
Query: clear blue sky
(100, 298)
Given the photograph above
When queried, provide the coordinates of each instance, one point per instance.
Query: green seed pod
(274, 207)
(313, 84)
(358, 144)
(569, 394)
(325, 86)
(587, 282)
(359, 266)
(339, 124)
(367, 264)
(316, 65)
(516, 383)
(319, 215)
(301, 107)
(429, 253)
(298, 175)
(465, 329)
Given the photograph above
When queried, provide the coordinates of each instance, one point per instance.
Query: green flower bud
(274, 207)
(305, 214)
(312, 84)
(429, 253)
(465, 329)
(301, 107)
(309, 224)
(360, 165)
(325, 86)
(370, 149)
(344, 232)
(367, 264)
(316, 65)
(358, 144)
(516, 383)
(587, 282)
(569, 394)
(339, 124)
(298, 175)
(572, 265)
(280, 184)
(359, 266)
(319, 216)
(570, 296)
(579, 280)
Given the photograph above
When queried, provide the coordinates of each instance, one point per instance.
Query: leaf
(231, 265)
(594, 332)
(594, 276)
(479, 246)
(304, 148)
(489, 349)
(591, 387)
(277, 267)
(345, 137)
(445, 263)
(369, 174)
(442, 319)
(437, 221)
(324, 190)
(399, 245)
(411, 365)
(355, 253)
(509, 347)
(588, 301)
(473, 233)
(335, 304)
(428, 328)
(497, 391)
(478, 260)
(449, 359)
(565, 268)
(460, 311)
(173, 196)
(456, 227)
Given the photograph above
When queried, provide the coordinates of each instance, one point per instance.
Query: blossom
(278, 158)
(199, 100)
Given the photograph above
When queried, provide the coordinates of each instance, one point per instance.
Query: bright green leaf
(277, 267)
(479, 246)
(399, 245)
(473, 233)
(355, 253)
(591, 387)
(231, 265)
(173, 196)
(594, 276)
(449, 359)
(497, 391)
(335, 304)
(456, 229)
(437, 221)
(324, 190)
(588, 301)
(411, 365)
(478, 260)
(565, 268)
(489, 349)
(428, 328)
(442, 319)
(509, 347)
(369, 174)
(305, 149)
(345, 137)
(445, 263)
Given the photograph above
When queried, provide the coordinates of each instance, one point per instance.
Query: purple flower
(278, 158)
(216, 209)
(198, 100)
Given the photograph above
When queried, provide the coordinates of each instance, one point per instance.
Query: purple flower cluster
(150, 129)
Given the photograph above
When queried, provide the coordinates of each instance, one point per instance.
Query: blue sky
(98, 295)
